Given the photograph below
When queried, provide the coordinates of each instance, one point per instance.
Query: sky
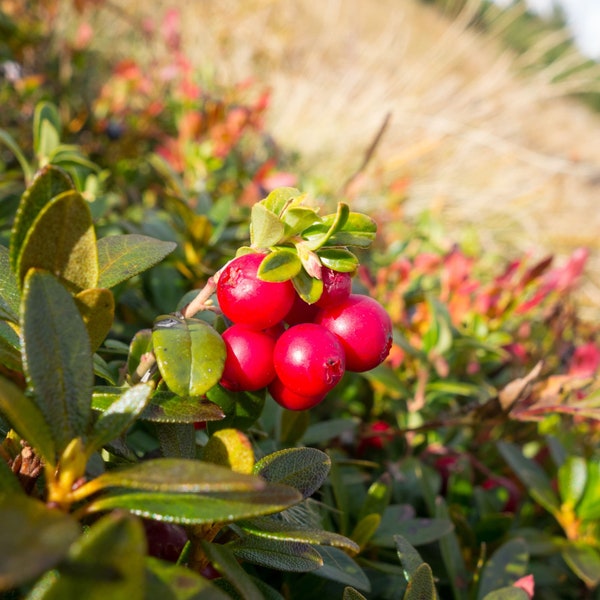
(583, 17)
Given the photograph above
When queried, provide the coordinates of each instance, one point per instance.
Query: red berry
(290, 399)
(249, 362)
(336, 288)
(244, 298)
(301, 312)
(364, 329)
(309, 359)
(165, 540)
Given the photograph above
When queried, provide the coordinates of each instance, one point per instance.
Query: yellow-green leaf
(97, 308)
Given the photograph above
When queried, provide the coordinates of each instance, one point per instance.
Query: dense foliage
(137, 462)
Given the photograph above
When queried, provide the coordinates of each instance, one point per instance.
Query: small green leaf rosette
(301, 242)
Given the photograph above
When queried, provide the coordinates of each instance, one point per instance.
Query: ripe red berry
(290, 399)
(309, 359)
(244, 298)
(336, 288)
(301, 312)
(249, 362)
(363, 327)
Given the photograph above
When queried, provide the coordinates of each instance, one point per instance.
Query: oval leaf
(27, 420)
(119, 416)
(281, 197)
(302, 468)
(506, 565)
(339, 567)
(165, 407)
(10, 348)
(572, 479)
(266, 229)
(48, 183)
(33, 538)
(308, 288)
(280, 265)
(9, 289)
(338, 259)
(120, 257)
(46, 130)
(62, 240)
(584, 561)
(298, 218)
(196, 509)
(97, 308)
(409, 557)
(421, 585)
(508, 593)
(57, 357)
(190, 355)
(282, 555)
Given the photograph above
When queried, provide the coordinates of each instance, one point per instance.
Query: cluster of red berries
(298, 351)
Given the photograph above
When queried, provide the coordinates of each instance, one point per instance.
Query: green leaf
(166, 581)
(280, 198)
(119, 416)
(338, 259)
(378, 497)
(10, 143)
(177, 440)
(190, 354)
(57, 357)
(27, 420)
(588, 507)
(46, 130)
(276, 529)
(279, 265)
(308, 288)
(62, 240)
(10, 348)
(418, 532)
(33, 538)
(283, 555)
(339, 567)
(266, 229)
(319, 234)
(572, 479)
(351, 594)
(296, 219)
(324, 431)
(225, 562)
(187, 509)
(165, 407)
(178, 476)
(292, 425)
(242, 409)
(302, 468)
(107, 562)
(358, 230)
(48, 183)
(97, 309)
(507, 593)
(409, 557)
(533, 477)
(421, 585)
(121, 257)
(9, 484)
(507, 565)
(584, 561)
(365, 529)
(9, 289)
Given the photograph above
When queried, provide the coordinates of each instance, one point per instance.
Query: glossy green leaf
(10, 296)
(106, 562)
(266, 229)
(507, 564)
(9, 484)
(319, 234)
(358, 230)
(140, 344)
(8, 141)
(177, 440)
(338, 259)
(283, 555)
(48, 183)
(365, 529)
(166, 581)
(225, 562)
(119, 416)
(33, 538)
(46, 130)
(280, 198)
(339, 567)
(292, 425)
(308, 288)
(242, 409)
(109, 373)
(421, 585)
(588, 507)
(186, 508)
(10, 347)
(57, 357)
(409, 557)
(507, 593)
(165, 407)
(351, 594)
(298, 218)
(276, 529)
(418, 531)
(27, 420)
(281, 264)
(121, 257)
(378, 497)
(533, 477)
(584, 561)
(572, 479)
(62, 241)
(190, 354)
(97, 309)
(178, 476)
(302, 468)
